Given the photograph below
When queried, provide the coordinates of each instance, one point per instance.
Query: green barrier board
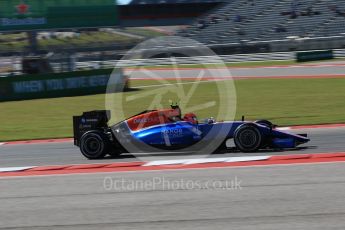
(314, 55)
(57, 85)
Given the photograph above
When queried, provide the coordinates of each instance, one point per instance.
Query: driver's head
(190, 117)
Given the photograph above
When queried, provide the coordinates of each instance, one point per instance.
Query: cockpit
(157, 117)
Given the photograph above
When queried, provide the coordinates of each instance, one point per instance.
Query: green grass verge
(284, 101)
(144, 32)
(87, 39)
(15, 42)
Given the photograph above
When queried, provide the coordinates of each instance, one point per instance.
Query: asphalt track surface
(257, 72)
(304, 196)
(324, 140)
(307, 197)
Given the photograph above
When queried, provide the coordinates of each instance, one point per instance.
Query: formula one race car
(166, 130)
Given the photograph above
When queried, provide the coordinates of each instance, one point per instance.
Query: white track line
(180, 83)
(15, 169)
(165, 162)
(206, 160)
(284, 128)
(243, 159)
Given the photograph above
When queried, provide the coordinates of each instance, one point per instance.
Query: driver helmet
(190, 117)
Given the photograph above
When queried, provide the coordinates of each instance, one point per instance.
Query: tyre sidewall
(99, 141)
(250, 129)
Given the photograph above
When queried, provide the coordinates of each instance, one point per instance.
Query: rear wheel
(248, 138)
(94, 144)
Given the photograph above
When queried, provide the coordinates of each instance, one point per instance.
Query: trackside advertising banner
(57, 85)
(50, 14)
(314, 55)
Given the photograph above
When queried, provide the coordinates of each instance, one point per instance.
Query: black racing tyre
(265, 123)
(248, 138)
(94, 144)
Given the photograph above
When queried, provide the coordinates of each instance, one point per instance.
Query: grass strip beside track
(284, 101)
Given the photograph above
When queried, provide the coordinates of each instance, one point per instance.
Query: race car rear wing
(91, 120)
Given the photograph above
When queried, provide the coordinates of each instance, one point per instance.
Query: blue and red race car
(167, 130)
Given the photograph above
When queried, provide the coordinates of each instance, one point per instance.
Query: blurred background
(68, 48)
(39, 36)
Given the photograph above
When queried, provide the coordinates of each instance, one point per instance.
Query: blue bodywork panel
(185, 133)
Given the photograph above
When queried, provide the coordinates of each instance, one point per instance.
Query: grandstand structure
(226, 26)
(139, 2)
(283, 24)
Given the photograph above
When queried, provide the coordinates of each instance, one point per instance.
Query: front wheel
(266, 123)
(94, 145)
(248, 138)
